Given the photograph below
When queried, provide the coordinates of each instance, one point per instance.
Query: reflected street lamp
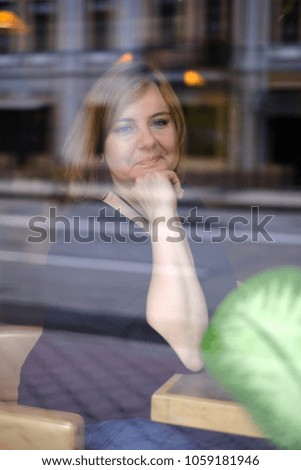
(193, 78)
(12, 23)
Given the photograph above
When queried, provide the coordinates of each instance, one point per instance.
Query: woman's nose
(146, 138)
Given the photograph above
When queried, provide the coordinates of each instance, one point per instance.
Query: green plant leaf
(253, 349)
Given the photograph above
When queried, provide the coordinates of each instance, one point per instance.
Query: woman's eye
(124, 129)
(160, 122)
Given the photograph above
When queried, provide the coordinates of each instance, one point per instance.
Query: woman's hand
(157, 193)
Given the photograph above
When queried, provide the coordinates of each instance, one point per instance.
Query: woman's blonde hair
(118, 87)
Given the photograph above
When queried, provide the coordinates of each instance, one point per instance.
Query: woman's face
(142, 139)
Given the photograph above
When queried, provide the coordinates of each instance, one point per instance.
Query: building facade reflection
(243, 119)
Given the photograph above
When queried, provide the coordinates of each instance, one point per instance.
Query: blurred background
(235, 65)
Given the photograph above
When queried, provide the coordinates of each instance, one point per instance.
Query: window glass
(206, 130)
(285, 28)
(43, 16)
(7, 40)
(99, 14)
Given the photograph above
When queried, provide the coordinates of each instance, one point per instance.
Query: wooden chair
(24, 427)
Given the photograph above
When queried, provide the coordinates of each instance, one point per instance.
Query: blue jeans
(137, 434)
(143, 434)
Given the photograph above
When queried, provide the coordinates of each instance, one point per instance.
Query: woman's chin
(150, 167)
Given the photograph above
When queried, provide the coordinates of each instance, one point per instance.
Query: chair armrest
(15, 345)
(29, 428)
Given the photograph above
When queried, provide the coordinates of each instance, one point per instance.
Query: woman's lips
(150, 160)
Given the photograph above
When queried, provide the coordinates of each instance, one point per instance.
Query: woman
(134, 120)
(142, 129)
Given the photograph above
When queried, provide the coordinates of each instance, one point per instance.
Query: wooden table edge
(168, 408)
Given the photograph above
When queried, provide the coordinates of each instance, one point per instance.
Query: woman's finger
(174, 179)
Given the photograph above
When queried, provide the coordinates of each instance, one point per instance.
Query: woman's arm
(176, 306)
